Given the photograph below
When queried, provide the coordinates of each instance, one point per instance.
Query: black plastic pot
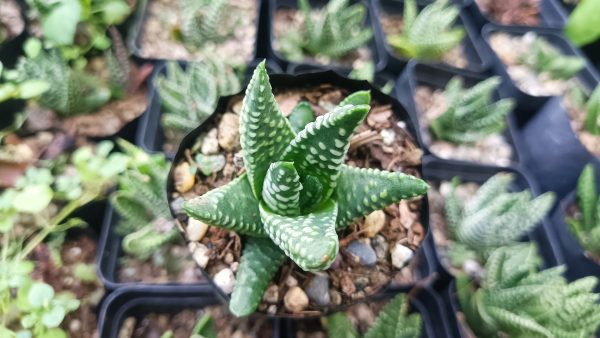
(150, 134)
(380, 80)
(427, 303)
(417, 74)
(588, 76)
(140, 15)
(439, 170)
(551, 14)
(286, 81)
(550, 149)
(139, 302)
(472, 44)
(274, 54)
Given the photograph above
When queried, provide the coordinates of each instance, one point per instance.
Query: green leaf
(53, 317)
(260, 261)
(32, 47)
(339, 326)
(39, 294)
(33, 199)
(32, 88)
(357, 98)
(281, 189)
(262, 146)
(361, 191)
(60, 24)
(592, 119)
(5, 332)
(53, 333)
(232, 207)
(587, 195)
(309, 240)
(393, 323)
(205, 327)
(209, 164)
(114, 12)
(85, 272)
(581, 27)
(301, 115)
(319, 149)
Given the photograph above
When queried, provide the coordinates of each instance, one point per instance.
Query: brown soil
(512, 12)
(81, 322)
(171, 263)
(11, 21)
(286, 20)
(182, 324)
(573, 212)
(578, 113)
(372, 147)
(493, 149)
(393, 24)
(163, 19)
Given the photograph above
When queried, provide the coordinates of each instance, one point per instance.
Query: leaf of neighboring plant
(361, 191)
(260, 261)
(393, 323)
(144, 242)
(60, 24)
(85, 272)
(232, 206)
(301, 115)
(5, 332)
(587, 195)
(319, 149)
(32, 47)
(592, 119)
(53, 317)
(39, 294)
(32, 88)
(582, 27)
(205, 327)
(33, 199)
(114, 12)
(53, 333)
(209, 164)
(309, 240)
(339, 326)
(262, 146)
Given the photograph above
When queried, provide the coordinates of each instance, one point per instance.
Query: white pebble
(401, 255)
(225, 280)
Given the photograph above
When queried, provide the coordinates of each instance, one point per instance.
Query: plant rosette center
(282, 204)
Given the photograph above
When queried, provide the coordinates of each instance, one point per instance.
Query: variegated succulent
(296, 191)
(586, 225)
(592, 118)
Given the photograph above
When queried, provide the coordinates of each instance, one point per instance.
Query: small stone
(229, 258)
(238, 160)
(473, 269)
(318, 290)
(272, 309)
(401, 255)
(380, 246)
(336, 297)
(200, 253)
(388, 136)
(271, 294)
(229, 131)
(237, 107)
(184, 180)
(291, 281)
(347, 284)
(177, 206)
(234, 266)
(196, 229)
(361, 253)
(225, 280)
(374, 222)
(295, 300)
(361, 282)
(75, 325)
(210, 143)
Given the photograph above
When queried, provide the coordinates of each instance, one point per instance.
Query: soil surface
(493, 149)
(286, 20)
(380, 142)
(577, 113)
(182, 324)
(80, 323)
(157, 35)
(393, 24)
(11, 20)
(512, 12)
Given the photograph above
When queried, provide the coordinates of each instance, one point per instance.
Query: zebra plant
(492, 218)
(189, 96)
(471, 115)
(592, 118)
(430, 34)
(141, 202)
(515, 300)
(296, 191)
(206, 21)
(333, 32)
(543, 58)
(586, 225)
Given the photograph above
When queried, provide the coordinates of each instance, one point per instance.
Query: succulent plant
(206, 21)
(430, 34)
(392, 322)
(295, 192)
(471, 115)
(333, 32)
(592, 118)
(493, 217)
(586, 225)
(189, 96)
(515, 299)
(543, 58)
(141, 202)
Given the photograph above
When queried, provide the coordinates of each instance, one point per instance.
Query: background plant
(543, 58)
(592, 118)
(286, 202)
(580, 28)
(471, 115)
(515, 299)
(332, 32)
(430, 34)
(586, 225)
(12, 88)
(207, 21)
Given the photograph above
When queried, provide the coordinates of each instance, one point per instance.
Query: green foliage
(190, 96)
(543, 58)
(493, 217)
(586, 226)
(392, 322)
(333, 32)
(301, 115)
(581, 27)
(207, 21)
(592, 119)
(12, 88)
(288, 191)
(516, 300)
(205, 327)
(430, 34)
(471, 115)
(142, 205)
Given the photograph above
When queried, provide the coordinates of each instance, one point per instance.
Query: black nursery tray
(551, 14)
(416, 74)
(473, 46)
